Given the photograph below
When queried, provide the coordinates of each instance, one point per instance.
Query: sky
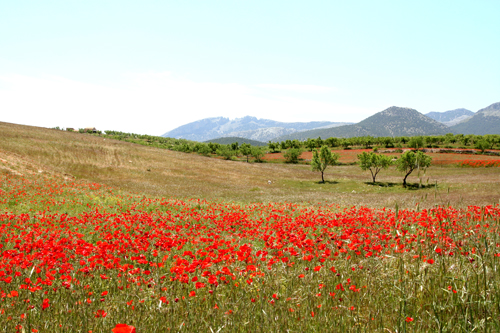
(148, 67)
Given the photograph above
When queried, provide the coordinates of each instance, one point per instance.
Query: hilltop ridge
(484, 121)
(393, 121)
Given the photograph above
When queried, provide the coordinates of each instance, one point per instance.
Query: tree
(322, 159)
(274, 147)
(213, 146)
(226, 152)
(345, 143)
(292, 155)
(332, 142)
(416, 142)
(234, 146)
(257, 153)
(482, 145)
(374, 163)
(310, 144)
(410, 161)
(202, 148)
(246, 150)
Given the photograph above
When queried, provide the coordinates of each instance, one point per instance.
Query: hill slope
(231, 139)
(246, 127)
(484, 121)
(394, 121)
(452, 117)
(63, 156)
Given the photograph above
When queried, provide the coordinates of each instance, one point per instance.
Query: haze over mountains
(247, 127)
(484, 121)
(452, 117)
(393, 121)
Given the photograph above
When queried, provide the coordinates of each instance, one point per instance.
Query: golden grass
(164, 173)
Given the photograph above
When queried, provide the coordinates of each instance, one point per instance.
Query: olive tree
(482, 145)
(226, 152)
(410, 161)
(416, 142)
(374, 163)
(257, 153)
(246, 150)
(322, 159)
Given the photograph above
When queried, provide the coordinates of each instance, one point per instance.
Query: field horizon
(99, 234)
(164, 173)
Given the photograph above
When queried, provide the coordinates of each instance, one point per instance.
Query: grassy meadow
(97, 232)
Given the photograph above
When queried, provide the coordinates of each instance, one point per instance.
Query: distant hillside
(394, 121)
(229, 140)
(484, 121)
(452, 117)
(246, 127)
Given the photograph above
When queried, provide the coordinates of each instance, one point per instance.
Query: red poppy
(123, 328)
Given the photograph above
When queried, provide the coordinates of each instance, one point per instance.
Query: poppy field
(84, 257)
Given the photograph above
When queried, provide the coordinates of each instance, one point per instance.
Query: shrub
(292, 155)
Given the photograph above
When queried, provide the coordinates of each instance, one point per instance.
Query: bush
(292, 155)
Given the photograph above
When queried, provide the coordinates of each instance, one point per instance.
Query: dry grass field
(163, 173)
(185, 243)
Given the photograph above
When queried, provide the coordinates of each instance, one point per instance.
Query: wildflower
(100, 314)
(123, 328)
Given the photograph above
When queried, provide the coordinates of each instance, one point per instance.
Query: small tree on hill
(257, 153)
(482, 145)
(374, 163)
(226, 152)
(246, 150)
(322, 159)
(410, 161)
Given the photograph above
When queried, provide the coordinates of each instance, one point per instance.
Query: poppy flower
(123, 328)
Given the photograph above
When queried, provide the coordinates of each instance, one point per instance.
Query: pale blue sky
(150, 66)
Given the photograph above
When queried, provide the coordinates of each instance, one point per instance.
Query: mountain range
(247, 127)
(452, 117)
(393, 121)
(484, 121)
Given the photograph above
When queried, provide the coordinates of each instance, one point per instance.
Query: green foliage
(410, 161)
(345, 143)
(374, 163)
(482, 145)
(234, 146)
(388, 142)
(332, 142)
(322, 159)
(274, 147)
(292, 155)
(416, 142)
(310, 144)
(214, 146)
(246, 150)
(203, 149)
(257, 153)
(226, 152)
